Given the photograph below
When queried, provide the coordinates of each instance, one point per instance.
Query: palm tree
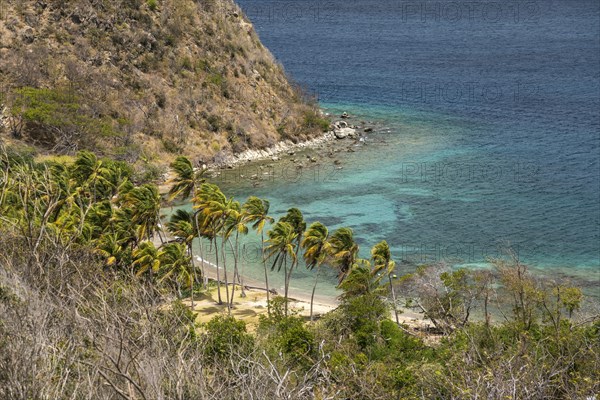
(256, 212)
(92, 175)
(316, 248)
(146, 259)
(182, 226)
(185, 183)
(295, 218)
(99, 217)
(361, 280)
(186, 180)
(122, 225)
(203, 230)
(83, 167)
(282, 239)
(144, 203)
(344, 251)
(110, 247)
(175, 267)
(215, 208)
(382, 259)
(220, 211)
(235, 223)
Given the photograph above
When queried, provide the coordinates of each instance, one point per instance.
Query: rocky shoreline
(340, 131)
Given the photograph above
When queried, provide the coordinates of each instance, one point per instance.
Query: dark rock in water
(313, 159)
(367, 130)
(345, 115)
(337, 162)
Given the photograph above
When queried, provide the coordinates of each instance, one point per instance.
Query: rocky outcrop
(273, 152)
(342, 131)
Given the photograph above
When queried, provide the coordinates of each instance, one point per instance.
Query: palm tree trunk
(289, 278)
(202, 270)
(193, 274)
(235, 273)
(312, 296)
(236, 253)
(394, 299)
(225, 274)
(218, 272)
(162, 228)
(285, 285)
(262, 242)
(202, 267)
(243, 293)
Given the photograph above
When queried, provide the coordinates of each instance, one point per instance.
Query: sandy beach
(254, 303)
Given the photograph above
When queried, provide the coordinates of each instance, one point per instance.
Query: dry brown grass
(185, 78)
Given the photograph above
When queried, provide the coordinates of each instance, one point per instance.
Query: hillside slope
(143, 79)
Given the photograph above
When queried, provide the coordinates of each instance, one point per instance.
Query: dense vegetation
(91, 289)
(142, 80)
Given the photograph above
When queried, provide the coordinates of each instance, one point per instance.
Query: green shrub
(313, 120)
(152, 5)
(215, 79)
(288, 334)
(225, 336)
(58, 117)
(215, 122)
(171, 146)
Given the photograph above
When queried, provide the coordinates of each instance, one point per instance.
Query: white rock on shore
(272, 152)
(341, 130)
(344, 133)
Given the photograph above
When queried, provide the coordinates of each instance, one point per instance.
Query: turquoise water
(487, 128)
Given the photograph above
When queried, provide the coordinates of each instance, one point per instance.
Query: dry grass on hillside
(143, 80)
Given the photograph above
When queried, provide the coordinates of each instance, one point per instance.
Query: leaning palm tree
(186, 179)
(92, 175)
(344, 251)
(146, 259)
(256, 212)
(175, 267)
(144, 203)
(295, 218)
(316, 248)
(203, 231)
(361, 280)
(235, 223)
(215, 208)
(281, 247)
(110, 247)
(382, 258)
(182, 226)
(220, 212)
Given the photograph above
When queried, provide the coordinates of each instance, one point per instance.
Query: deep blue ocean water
(487, 119)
